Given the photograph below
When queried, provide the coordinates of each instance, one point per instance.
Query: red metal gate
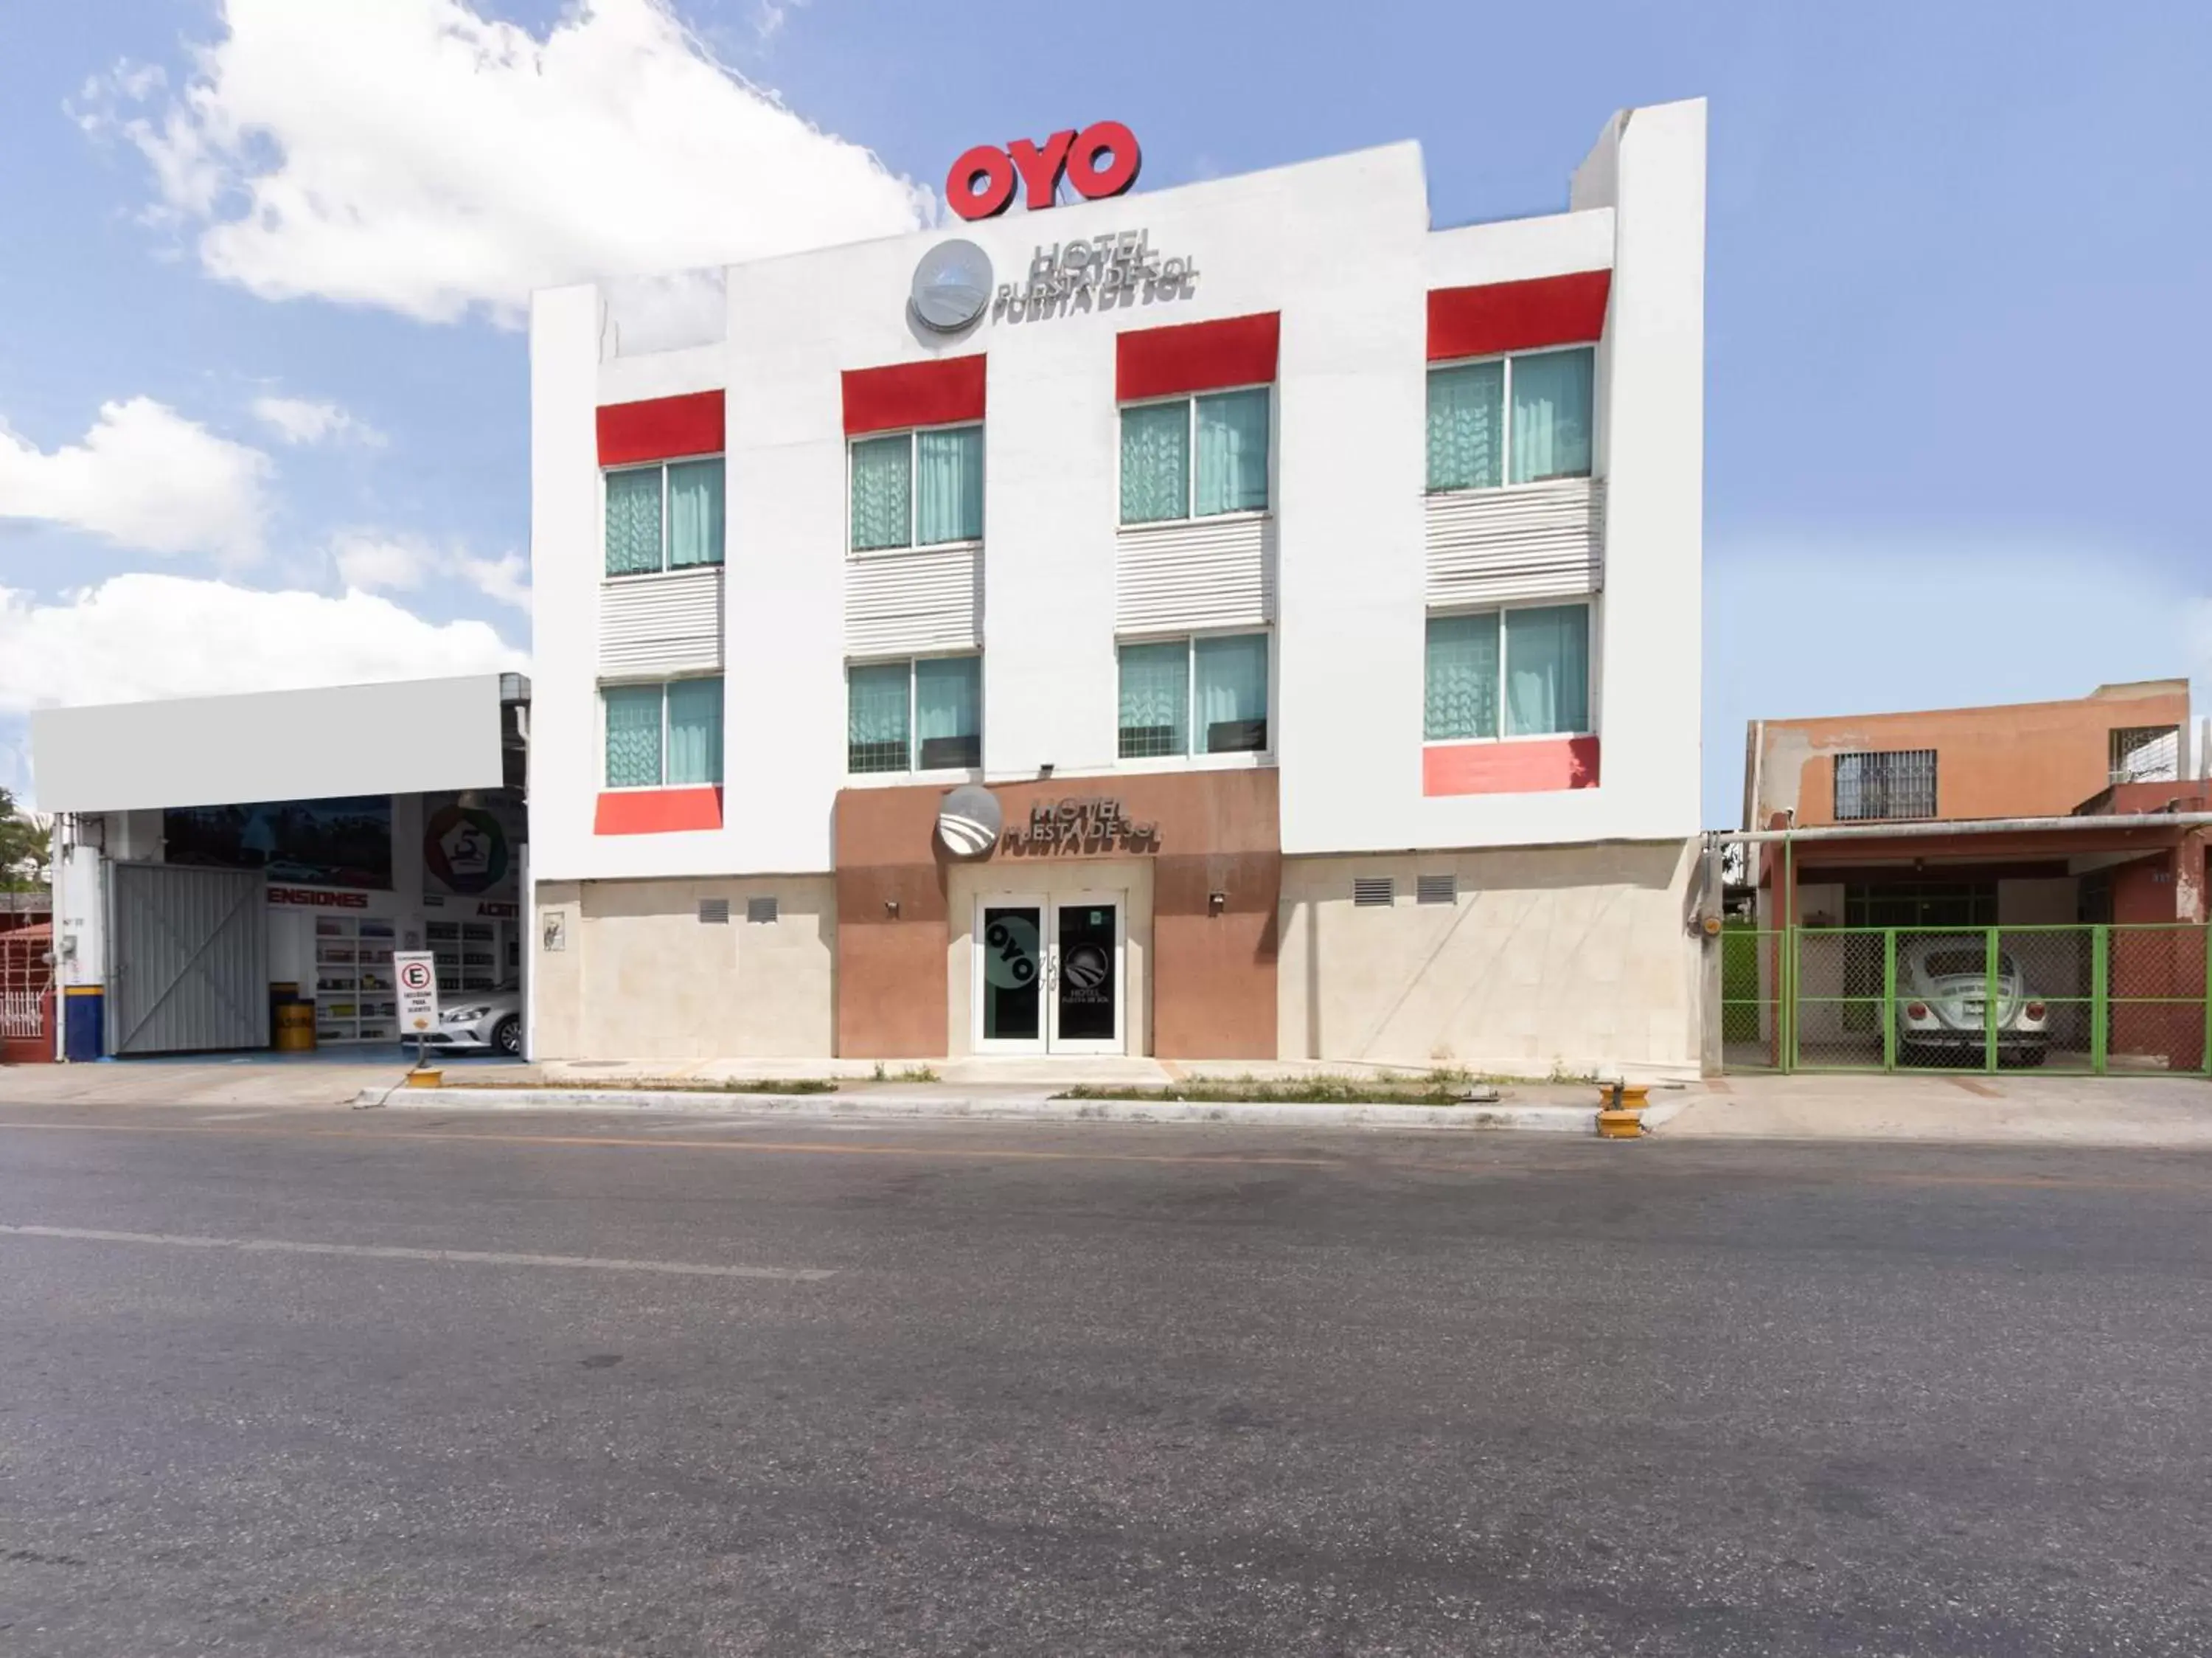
(26, 995)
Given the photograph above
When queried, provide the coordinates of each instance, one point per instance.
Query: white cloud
(143, 636)
(143, 477)
(416, 156)
(376, 563)
(372, 562)
(313, 420)
(770, 15)
(505, 580)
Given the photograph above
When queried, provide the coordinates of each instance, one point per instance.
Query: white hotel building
(1311, 595)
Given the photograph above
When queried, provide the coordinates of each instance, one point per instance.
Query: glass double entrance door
(1049, 974)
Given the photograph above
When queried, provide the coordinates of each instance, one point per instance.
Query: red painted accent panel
(661, 428)
(1196, 356)
(1510, 768)
(931, 393)
(1517, 316)
(657, 811)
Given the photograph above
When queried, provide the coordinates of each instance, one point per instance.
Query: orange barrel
(295, 1028)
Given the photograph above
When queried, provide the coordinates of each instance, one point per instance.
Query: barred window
(2146, 754)
(1897, 784)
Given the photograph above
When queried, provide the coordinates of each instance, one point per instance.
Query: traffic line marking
(399, 1252)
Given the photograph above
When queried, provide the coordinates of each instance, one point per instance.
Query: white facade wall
(1342, 249)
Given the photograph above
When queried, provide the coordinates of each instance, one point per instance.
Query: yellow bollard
(1620, 1112)
(426, 1079)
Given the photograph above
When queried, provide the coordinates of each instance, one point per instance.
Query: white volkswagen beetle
(1942, 1005)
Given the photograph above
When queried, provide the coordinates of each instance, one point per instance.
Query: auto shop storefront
(216, 854)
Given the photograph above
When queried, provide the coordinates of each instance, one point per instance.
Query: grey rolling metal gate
(187, 959)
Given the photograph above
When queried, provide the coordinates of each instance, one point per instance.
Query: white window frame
(1192, 758)
(1505, 447)
(722, 552)
(661, 682)
(1590, 604)
(912, 771)
(1190, 459)
(913, 435)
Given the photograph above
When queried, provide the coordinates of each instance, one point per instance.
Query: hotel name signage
(1079, 823)
(1101, 161)
(1095, 273)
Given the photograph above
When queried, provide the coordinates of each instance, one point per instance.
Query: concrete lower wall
(1577, 959)
(641, 977)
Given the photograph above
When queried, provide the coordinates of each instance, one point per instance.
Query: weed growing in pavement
(1445, 1086)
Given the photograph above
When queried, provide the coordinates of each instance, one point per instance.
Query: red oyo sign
(1100, 161)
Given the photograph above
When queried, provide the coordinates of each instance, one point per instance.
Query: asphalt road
(1019, 1390)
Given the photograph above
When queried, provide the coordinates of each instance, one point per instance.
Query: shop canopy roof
(399, 738)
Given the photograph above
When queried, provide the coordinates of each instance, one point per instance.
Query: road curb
(1553, 1120)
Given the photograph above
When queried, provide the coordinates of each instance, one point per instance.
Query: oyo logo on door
(1100, 161)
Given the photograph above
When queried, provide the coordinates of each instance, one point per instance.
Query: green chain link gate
(2089, 1000)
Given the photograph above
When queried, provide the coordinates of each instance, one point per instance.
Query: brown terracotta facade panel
(1213, 975)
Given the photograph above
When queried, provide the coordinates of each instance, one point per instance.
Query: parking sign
(418, 991)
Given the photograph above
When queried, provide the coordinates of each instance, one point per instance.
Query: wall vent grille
(1374, 890)
(715, 911)
(1437, 889)
(761, 911)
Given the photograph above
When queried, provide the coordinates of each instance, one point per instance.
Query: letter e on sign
(417, 974)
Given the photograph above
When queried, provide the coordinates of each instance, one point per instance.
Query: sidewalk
(2008, 1109)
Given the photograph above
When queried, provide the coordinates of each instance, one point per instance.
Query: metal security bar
(2090, 1000)
(1888, 783)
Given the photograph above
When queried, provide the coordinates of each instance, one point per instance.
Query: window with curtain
(1463, 678)
(1196, 457)
(1466, 426)
(1547, 671)
(1551, 432)
(883, 493)
(1155, 700)
(948, 713)
(918, 488)
(695, 513)
(1522, 419)
(1228, 680)
(694, 731)
(949, 486)
(924, 713)
(1155, 462)
(633, 521)
(1202, 695)
(1521, 673)
(661, 518)
(633, 720)
(664, 735)
(1232, 453)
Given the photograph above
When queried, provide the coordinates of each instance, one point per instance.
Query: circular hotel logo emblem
(1088, 967)
(952, 286)
(968, 821)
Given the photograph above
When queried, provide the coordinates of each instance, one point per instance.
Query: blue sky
(1957, 262)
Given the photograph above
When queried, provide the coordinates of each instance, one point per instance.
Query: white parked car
(482, 1019)
(1942, 1005)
